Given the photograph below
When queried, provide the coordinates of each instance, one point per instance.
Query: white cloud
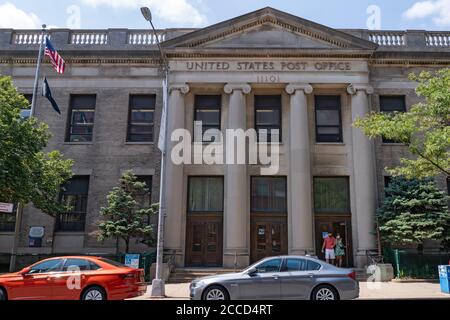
(179, 12)
(13, 17)
(439, 10)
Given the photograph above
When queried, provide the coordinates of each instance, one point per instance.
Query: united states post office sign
(6, 207)
(270, 66)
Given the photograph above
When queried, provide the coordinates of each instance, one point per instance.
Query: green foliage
(27, 174)
(413, 211)
(424, 129)
(124, 217)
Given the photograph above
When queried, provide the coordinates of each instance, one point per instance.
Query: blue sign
(132, 260)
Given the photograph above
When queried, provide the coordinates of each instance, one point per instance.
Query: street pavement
(368, 291)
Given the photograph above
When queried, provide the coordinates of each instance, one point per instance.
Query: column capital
(244, 87)
(293, 87)
(182, 87)
(352, 89)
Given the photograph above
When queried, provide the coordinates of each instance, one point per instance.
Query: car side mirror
(25, 271)
(252, 272)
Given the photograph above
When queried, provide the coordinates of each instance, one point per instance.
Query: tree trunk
(127, 245)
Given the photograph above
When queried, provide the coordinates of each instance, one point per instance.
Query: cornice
(263, 21)
(86, 60)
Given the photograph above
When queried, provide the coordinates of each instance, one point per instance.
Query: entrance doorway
(204, 245)
(268, 237)
(341, 225)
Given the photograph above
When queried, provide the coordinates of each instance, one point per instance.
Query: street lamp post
(158, 284)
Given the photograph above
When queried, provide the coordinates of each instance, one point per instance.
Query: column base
(302, 252)
(176, 256)
(361, 257)
(233, 261)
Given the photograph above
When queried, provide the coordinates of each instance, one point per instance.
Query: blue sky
(393, 15)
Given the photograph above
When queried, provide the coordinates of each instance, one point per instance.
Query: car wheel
(94, 293)
(325, 293)
(2, 295)
(215, 293)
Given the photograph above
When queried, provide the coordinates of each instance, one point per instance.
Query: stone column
(301, 223)
(236, 249)
(174, 175)
(363, 176)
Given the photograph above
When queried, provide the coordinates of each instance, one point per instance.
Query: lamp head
(147, 13)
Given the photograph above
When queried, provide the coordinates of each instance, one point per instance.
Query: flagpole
(38, 69)
(19, 210)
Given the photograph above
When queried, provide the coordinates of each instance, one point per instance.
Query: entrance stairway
(187, 275)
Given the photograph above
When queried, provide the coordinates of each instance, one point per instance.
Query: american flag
(58, 62)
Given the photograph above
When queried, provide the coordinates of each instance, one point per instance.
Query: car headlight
(195, 284)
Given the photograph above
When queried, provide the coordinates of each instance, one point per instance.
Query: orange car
(73, 278)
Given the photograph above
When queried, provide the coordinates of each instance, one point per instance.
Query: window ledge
(69, 233)
(205, 143)
(393, 144)
(129, 143)
(330, 143)
(270, 143)
(78, 143)
(7, 233)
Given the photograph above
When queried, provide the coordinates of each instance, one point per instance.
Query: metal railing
(415, 264)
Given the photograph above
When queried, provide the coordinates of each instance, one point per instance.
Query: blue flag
(48, 94)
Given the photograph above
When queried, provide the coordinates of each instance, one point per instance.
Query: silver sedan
(286, 277)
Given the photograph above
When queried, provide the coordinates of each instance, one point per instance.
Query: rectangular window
(391, 104)
(75, 195)
(269, 194)
(331, 195)
(268, 118)
(205, 194)
(8, 221)
(328, 119)
(207, 109)
(141, 118)
(25, 113)
(81, 118)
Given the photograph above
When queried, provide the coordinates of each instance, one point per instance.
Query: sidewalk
(368, 291)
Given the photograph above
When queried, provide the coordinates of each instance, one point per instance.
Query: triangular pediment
(269, 28)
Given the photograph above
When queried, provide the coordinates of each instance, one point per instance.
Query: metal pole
(38, 69)
(19, 213)
(158, 284)
(12, 261)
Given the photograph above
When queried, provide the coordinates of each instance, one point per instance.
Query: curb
(415, 280)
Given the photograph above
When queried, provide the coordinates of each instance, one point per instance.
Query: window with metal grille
(141, 119)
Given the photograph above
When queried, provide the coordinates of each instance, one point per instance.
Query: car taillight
(352, 275)
(129, 276)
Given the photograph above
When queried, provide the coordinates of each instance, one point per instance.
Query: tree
(413, 211)
(27, 173)
(124, 216)
(425, 129)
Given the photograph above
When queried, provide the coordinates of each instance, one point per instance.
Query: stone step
(187, 275)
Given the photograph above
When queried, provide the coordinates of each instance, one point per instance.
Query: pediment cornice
(274, 18)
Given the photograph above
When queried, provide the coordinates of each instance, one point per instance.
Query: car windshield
(113, 263)
(266, 266)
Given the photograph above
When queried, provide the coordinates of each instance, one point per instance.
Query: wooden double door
(204, 245)
(269, 237)
(335, 225)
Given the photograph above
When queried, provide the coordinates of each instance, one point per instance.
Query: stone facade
(266, 52)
